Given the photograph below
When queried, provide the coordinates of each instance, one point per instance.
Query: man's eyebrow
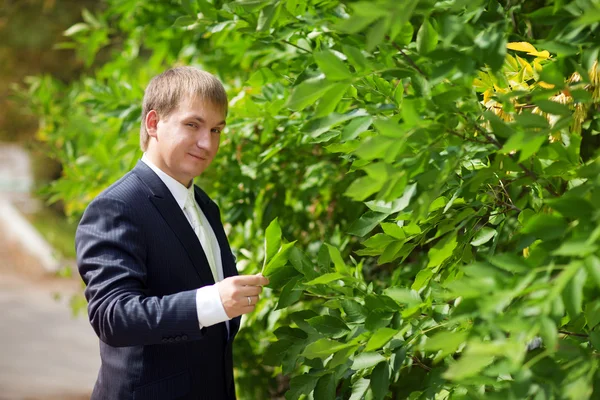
(201, 120)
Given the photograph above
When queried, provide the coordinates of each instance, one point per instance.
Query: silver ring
(249, 301)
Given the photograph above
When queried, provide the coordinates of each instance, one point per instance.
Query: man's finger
(250, 290)
(252, 280)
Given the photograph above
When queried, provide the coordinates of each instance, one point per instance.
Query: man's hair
(167, 90)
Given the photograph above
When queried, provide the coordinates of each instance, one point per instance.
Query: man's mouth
(197, 156)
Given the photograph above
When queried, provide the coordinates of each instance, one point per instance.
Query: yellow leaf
(487, 95)
(521, 46)
(545, 85)
(510, 60)
(528, 48)
(525, 65)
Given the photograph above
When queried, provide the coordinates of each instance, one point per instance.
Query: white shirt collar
(178, 191)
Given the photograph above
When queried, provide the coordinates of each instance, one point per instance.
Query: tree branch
(295, 45)
(527, 171)
(407, 58)
(573, 334)
(420, 364)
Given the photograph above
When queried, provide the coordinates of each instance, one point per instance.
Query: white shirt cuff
(209, 307)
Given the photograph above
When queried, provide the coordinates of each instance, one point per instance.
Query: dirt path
(45, 353)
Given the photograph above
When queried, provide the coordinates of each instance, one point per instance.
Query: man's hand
(239, 294)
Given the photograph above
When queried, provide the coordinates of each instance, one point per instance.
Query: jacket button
(178, 338)
(171, 340)
(184, 337)
(165, 340)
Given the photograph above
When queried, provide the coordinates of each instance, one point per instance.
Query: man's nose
(204, 139)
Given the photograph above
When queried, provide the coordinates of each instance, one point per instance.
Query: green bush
(435, 162)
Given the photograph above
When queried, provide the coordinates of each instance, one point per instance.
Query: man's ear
(151, 122)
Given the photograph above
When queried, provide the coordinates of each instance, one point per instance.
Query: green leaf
(484, 235)
(302, 263)
(467, 366)
(325, 389)
(308, 92)
(367, 360)
(509, 262)
(319, 126)
(595, 339)
(336, 258)
(333, 68)
(185, 20)
(266, 17)
(325, 278)
(403, 295)
(300, 385)
(359, 388)
(363, 187)
(355, 312)
(376, 33)
(422, 278)
(329, 325)
(380, 338)
(447, 342)
(356, 58)
(402, 35)
(552, 107)
(331, 99)
(393, 230)
(531, 146)
(279, 260)
(530, 120)
(251, 5)
(342, 356)
(499, 127)
(380, 380)
(573, 293)
(288, 294)
(592, 314)
(545, 226)
(592, 266)
(575, 248)
(442, 250)
(323, 348)
(272, 240)
(356, 127)
(571, 206)
(549, 333)
(427, 38)
(366, 223)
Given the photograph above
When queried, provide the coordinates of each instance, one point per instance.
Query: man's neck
(158, 163)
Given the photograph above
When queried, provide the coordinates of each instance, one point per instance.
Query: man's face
(184, 143)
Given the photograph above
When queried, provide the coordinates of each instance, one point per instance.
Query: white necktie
(191, 209)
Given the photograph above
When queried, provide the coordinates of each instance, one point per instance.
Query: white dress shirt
(208, 301)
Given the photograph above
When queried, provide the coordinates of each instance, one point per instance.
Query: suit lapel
(165, 203)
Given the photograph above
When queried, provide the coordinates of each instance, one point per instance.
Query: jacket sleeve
(111, 258)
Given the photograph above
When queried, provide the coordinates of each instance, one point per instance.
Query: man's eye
(191, 125)
(216, 130)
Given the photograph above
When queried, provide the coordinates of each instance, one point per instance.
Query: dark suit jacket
(142, 263)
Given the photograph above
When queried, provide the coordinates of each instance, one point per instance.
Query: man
(150, 249)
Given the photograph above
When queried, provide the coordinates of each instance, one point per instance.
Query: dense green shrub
(435, 162)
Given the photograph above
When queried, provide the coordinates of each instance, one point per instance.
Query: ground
(45, 353)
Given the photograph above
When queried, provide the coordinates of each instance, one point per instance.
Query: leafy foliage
(435, 162)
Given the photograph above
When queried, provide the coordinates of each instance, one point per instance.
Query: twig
(407, 58)
(512, 204)
(466, 138)
(573, 334)
(496, 143)
(420, 364)
(295, 45)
